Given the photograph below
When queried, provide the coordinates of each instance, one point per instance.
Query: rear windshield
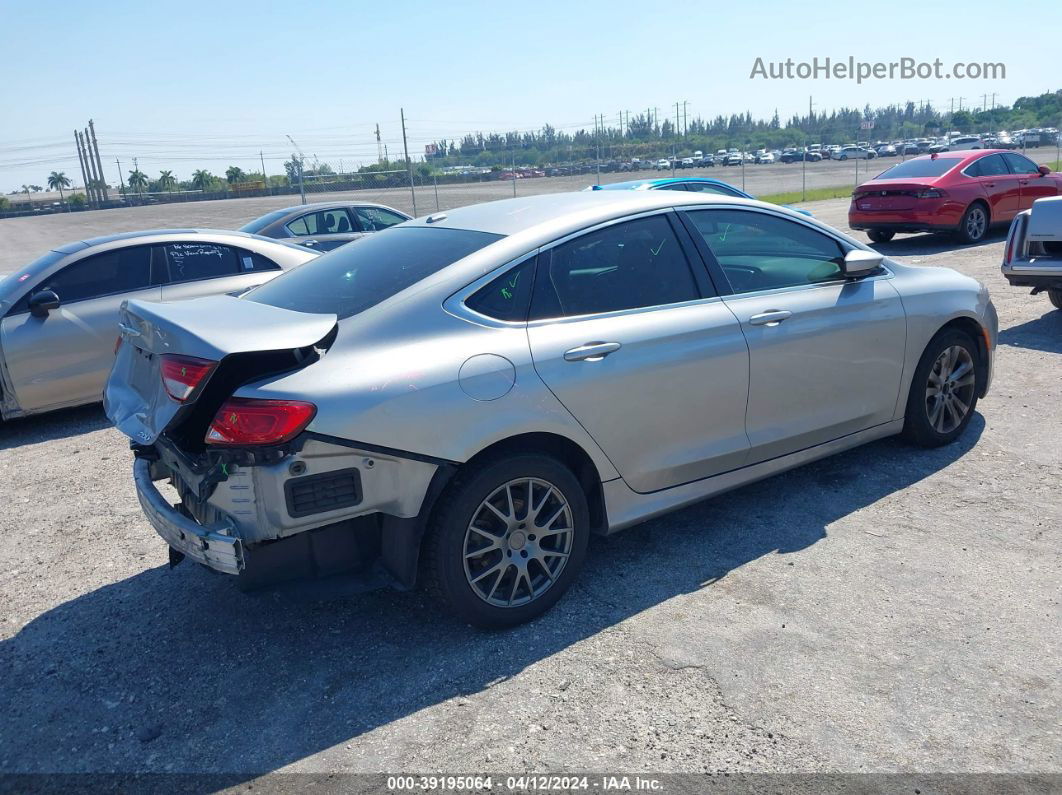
(929, 167)
(258, 224)
(355, 277)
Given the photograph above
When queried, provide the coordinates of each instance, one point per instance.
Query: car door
(637, 346)
(63, 359)
(825, 354)
(1031, 183)
(374, 219)
(999, 185)
(198, 268)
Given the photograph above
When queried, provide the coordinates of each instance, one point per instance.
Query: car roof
(635, 184)
(324, 205)
(156, 236)
(565, 210)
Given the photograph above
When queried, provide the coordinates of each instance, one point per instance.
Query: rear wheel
(1054, 295)
(974, 224)
(880, 235)
(507, 540)
(943, 392)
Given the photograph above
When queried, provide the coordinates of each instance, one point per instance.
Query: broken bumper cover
(211, 545)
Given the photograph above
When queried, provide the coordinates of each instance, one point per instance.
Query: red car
(963, 192)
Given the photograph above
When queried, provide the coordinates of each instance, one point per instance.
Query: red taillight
(181, 375)
(243, 421)
(929, 193)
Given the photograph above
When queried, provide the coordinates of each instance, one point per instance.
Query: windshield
(355, 277)
(258, 224)
(11, 283)
(928, 167)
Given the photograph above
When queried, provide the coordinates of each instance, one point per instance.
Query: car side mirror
(40, 304)
(1044, 170)
(859, 263)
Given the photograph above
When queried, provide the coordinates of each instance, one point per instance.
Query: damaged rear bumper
(215, 545)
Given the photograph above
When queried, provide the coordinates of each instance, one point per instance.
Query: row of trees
(650, 134)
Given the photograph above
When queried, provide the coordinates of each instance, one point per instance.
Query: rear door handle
(770, 318)
(591, 351)
(309, 242)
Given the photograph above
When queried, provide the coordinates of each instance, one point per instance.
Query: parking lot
(888, 609)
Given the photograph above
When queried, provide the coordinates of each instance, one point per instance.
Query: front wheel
(943, 392)
(507, 540)
(880, 235)
(974, 224)
(1054, 295)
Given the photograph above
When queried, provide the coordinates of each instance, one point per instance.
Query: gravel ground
(885, 610)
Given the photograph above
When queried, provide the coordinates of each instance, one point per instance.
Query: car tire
(974, 224)
(843, 157)
(1054, 295)
(459, 560)
(932, 408)
(880, 235)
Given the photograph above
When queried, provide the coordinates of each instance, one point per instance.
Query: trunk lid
(217, 328)
(891, 194)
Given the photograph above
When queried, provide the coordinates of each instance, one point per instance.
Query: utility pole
(409, 163)
(512, 157)
(685, 126)
(811, 113)
(99, 163)
(379, 146)
(265, 177)
(121, 179)
(81, 160)
(302, 165)
(139, 189)
(678, 126)
(96, 177)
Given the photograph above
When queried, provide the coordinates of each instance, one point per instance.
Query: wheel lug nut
(531, 537)
(523, 553)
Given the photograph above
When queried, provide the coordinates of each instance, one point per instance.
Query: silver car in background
(471, 394)
(59, 314)
(325, 225)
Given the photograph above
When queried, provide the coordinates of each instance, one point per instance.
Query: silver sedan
(471, 394)
(60, 313)
(324, 226)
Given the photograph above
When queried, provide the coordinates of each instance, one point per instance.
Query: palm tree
(138, 180)
(58, 180)
(234, 174)
(202, 179)
(26, 189)
(167, 181)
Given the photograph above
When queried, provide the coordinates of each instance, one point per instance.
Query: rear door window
(990, 166)
(189, 262)
(629, 265)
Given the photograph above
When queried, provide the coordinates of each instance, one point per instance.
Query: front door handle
(770, 318)
(309, 242)
(591, 351)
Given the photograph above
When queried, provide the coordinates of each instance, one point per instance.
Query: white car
(966, 142)
(853, 153)
(765, 157)
(663, 163)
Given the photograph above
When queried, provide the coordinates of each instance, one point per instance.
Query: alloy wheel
(518, 542)
(976, 223)
(950, 389)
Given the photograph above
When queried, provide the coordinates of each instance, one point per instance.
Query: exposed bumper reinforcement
(212, 545)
